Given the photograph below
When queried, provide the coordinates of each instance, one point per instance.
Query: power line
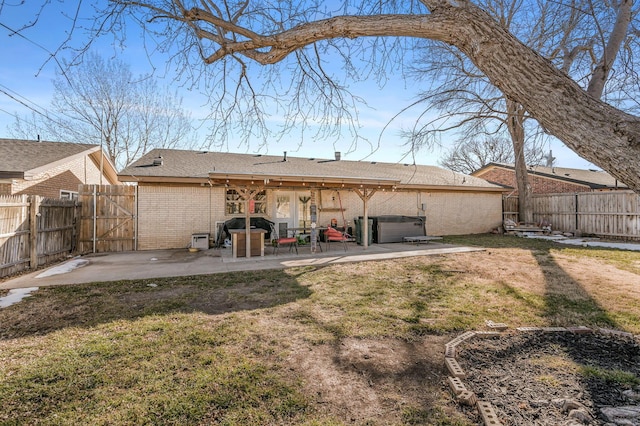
(25, 102)
(52, 55)
(3, 89)
(10, 113)
(19, 34)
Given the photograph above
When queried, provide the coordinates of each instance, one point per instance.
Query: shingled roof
(595, 179)
(164, 165)
(19, 157)
(22, 159)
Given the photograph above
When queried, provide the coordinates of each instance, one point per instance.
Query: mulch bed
(529, 376)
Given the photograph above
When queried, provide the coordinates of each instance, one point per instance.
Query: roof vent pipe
(338, 155)
(158, 161)
(284, 159)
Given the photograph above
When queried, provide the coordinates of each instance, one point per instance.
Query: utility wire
(22, 102)
(26, 103)
(53, 56)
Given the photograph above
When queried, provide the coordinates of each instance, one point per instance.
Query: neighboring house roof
(21, 159)
(595, 179)
(199, 166)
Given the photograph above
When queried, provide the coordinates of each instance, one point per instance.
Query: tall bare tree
(469, 155)
(301, 37)
(102, 102)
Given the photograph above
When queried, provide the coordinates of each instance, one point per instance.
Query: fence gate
(108, 219)
(510, 208)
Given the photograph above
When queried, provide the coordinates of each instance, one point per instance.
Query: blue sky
(27, 72)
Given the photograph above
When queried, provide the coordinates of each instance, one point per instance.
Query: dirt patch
(536, 378)
(384, 381)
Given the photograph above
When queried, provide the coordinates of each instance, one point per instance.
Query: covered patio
(249, 185)
(182, 194)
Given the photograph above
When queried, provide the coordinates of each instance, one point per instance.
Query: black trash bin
(360, 231)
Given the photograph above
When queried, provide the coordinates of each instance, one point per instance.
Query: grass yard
(355, 344)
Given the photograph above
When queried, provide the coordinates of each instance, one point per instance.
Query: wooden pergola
(249, 185)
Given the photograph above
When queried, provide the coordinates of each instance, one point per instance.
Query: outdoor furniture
(333, 235)
(240, 223)
(238, 242)
(278, 241)
(304, 230)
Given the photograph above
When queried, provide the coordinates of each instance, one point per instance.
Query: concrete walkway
(171, 263)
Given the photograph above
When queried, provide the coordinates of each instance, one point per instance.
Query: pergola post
(365, 195)
(314, 218)
(247, 227)
(247, 194)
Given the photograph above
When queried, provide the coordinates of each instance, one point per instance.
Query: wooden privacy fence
(108, 218)
(35, 231)
(614, 214)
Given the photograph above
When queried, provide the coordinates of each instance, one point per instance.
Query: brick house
(51, 169)
(183, 192)
(549, 180)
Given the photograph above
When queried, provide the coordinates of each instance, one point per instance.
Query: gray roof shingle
(19, 155)
(596, 179)
(198, 164)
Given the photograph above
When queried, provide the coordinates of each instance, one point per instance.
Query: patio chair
(333, 235)
(278, 241)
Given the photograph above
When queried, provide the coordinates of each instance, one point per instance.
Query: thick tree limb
(595, 130)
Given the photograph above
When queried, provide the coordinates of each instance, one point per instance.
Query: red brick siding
(66, 177)
(5, 189)
(539, 184)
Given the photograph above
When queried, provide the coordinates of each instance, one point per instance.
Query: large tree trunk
(595, 130)
(515, 124)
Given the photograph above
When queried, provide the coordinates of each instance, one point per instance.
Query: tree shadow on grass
(87, 305)
(595, 362)
(566, 301)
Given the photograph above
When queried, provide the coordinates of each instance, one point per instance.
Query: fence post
(95, 216)
(34, 213)
(577, 232)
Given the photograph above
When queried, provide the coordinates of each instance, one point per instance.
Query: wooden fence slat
(614, 214)
(31, 236)
(108, 218)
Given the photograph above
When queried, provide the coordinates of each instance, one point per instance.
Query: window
(235, 204)
(283, 206)
(68, 195)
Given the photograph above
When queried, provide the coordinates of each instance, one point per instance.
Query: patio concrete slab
(170, 263)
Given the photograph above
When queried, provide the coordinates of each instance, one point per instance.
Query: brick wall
(66, 176)
(168, 215)
(5, 189)
(539, 184)
(448, 213)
